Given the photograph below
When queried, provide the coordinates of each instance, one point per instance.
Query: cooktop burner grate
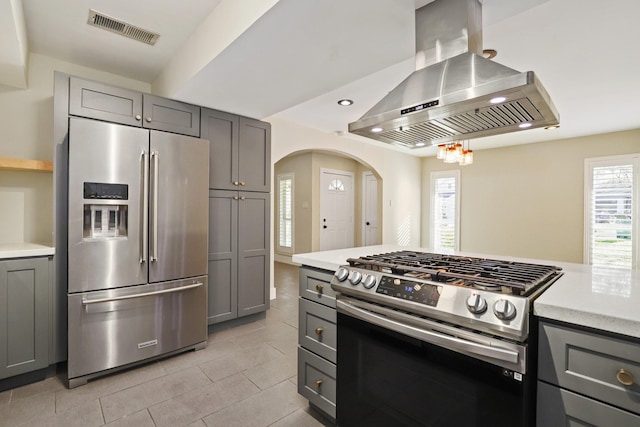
(519, 278)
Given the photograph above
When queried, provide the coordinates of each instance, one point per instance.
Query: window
(445, 210)
(285, 213)
(336, 185)
(611, 211)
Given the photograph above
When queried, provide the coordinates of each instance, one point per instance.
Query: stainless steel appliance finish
(484, 295)
(449, 97)
(425, 338)
(137, 245)
(117, 327)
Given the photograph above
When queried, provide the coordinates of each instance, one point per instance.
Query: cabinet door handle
(235, 183)
(319, 288)
(148, 119)
(235, 197)
(138, 117)
(242, 183)
(319, 331)
(242, 197)
(318, 383)
(625, 377)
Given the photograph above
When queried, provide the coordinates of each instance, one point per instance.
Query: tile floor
(245, 377)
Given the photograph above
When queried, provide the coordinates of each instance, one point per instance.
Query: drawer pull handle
(319, 288)
(625, 377)
(319, 331)
(318, 383)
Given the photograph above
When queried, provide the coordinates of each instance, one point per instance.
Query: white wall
(527, 200)
(400, 174)
(26, 131)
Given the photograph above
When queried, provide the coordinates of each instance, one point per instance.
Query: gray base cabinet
(586, 378)
(239, 256)
(118, 105)
(317, 339)
(24, 315)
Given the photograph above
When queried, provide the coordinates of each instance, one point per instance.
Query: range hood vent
(453, 95)
(123, 28)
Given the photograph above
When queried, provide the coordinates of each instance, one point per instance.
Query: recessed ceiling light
(497, 100)
(524, 125)
(552, 127)
(345, 102)
(420, 144)
(376, 130)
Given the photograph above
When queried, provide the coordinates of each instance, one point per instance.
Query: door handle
(145, 207)
(368, 223)
(324, 226)
(154, 255)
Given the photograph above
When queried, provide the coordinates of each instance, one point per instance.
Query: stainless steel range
(459, 314)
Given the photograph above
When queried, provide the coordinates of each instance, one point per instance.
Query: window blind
(445, 212)
(611, 212)
(285, 211)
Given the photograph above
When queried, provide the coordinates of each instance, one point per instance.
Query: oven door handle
(453, 343)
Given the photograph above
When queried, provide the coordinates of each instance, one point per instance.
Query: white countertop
(24, 250)
(602, 298)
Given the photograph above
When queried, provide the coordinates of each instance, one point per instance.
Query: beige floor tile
(24, 410)
(131, 400)
(273, 371)
(214, 351)
(300, 418)
(85, 415)
(139, 419)
(199, 403)
(262, 409)
(245, 359)
(48, 385)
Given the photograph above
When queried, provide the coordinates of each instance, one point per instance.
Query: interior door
(336, 209)
(106, 240)
(370, 209)
(179, 206)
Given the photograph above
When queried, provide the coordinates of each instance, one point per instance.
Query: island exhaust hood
(456, 94)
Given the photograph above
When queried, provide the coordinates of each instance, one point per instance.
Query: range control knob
(369, 281)
(504, 310)
(476, 304)
(342, 274)
(355, 277)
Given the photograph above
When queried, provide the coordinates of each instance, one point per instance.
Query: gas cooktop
(487, 295)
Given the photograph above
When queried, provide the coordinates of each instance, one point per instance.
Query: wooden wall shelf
(25, 165)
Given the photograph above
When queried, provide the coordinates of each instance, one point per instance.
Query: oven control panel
(494, 312)
(422, 293)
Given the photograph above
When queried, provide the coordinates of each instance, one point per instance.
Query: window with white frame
(612, 195)
(445, 210)
(285, 213)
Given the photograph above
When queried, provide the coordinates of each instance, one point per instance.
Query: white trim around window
(444, 222)
(612, 211)
(285, 214)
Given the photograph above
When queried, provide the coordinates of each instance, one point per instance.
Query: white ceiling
(299, 57)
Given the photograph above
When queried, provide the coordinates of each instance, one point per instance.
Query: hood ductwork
(449, 97)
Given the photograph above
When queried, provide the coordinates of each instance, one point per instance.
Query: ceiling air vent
(117, 26)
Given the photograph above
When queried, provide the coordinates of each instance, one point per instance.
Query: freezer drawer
(109, 329)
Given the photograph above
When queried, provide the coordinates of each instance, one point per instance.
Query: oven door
(392, 373)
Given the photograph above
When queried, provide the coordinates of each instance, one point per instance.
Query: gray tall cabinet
(239, 209)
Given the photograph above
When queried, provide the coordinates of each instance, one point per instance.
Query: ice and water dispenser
(107, 216)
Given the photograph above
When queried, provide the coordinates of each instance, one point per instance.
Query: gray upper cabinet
(240, 151)
(24, 315)
(238, 254)
(114, 104)
(254, 155)
(221, 129)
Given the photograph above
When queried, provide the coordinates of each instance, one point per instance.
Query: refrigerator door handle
(154, 254)
(142, 295)
(145, 207)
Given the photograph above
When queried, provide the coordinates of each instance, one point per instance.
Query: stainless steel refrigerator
(137, 246)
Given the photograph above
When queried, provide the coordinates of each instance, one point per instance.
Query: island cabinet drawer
(315, 286)
(559, 407)
(602, 367)
(317, 329)
(317, 381)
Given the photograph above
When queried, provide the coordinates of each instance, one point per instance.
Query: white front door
(336, 209)
(369, 209)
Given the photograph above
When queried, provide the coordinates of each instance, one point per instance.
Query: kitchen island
(589, 341)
